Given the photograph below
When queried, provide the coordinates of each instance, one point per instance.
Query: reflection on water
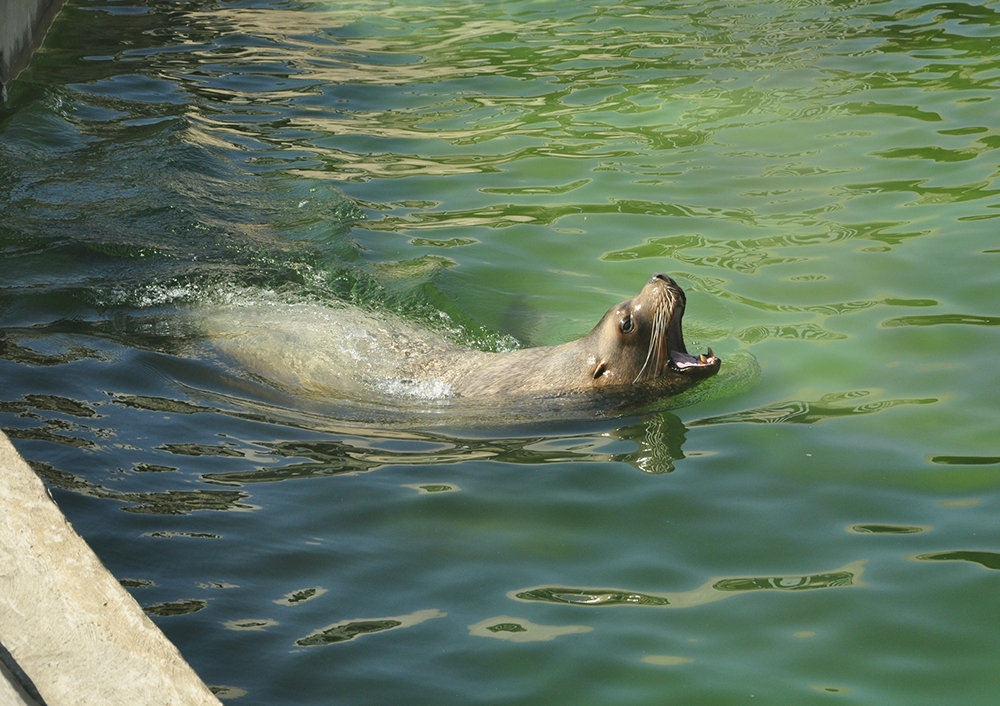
(987, 560)
(353, 629)
(433, 487)
(965, 460)
(714, 590)
(504, 627)
(169, 502)
(829, 406)
(301, 596)
(939, 319)
(14, 352)
(173, 608)
(886, 529)
(250, 624)
(651, 445)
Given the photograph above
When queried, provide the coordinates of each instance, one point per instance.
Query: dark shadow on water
(169, 502)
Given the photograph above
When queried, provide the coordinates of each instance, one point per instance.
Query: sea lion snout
(661, 281)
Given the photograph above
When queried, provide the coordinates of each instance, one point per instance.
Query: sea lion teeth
(701, 359)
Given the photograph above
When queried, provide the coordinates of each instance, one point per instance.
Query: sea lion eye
(627, 325)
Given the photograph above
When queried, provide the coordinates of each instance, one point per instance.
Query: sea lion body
(345, 352)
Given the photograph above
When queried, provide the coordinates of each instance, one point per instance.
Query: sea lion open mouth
(680, 360)
(683, 362)
(667, 350)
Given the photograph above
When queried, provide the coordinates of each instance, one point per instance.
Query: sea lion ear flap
(601, 368)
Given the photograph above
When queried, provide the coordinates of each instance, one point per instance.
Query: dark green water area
(818, 524)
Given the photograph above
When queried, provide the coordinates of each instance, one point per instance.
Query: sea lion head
(639, 341)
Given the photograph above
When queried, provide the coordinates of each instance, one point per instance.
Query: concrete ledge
(23, 24)
(16, 689)
(69, 631)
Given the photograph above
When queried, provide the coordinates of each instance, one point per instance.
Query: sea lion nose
(661, 276)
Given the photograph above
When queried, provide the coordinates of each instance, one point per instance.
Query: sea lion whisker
(660, 337)
(649, 355)
(655, 351)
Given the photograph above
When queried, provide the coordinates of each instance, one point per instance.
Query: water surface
(820, 177)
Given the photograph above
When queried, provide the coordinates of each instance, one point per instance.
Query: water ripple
(831, 406)
(713, 590)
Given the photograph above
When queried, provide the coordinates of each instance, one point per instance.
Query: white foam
(414, 389)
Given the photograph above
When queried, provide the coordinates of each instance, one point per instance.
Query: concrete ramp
(23, 24)
(69, 632)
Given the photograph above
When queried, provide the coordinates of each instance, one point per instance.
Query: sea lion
(348, 353)
(636, 343)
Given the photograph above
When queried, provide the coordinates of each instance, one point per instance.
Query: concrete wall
(69, 632)
(23, 24)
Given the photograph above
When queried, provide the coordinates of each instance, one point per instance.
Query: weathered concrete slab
(23, 24)
(16, 688)
(65, 621)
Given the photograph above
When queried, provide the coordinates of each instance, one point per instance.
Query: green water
(818, 525)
